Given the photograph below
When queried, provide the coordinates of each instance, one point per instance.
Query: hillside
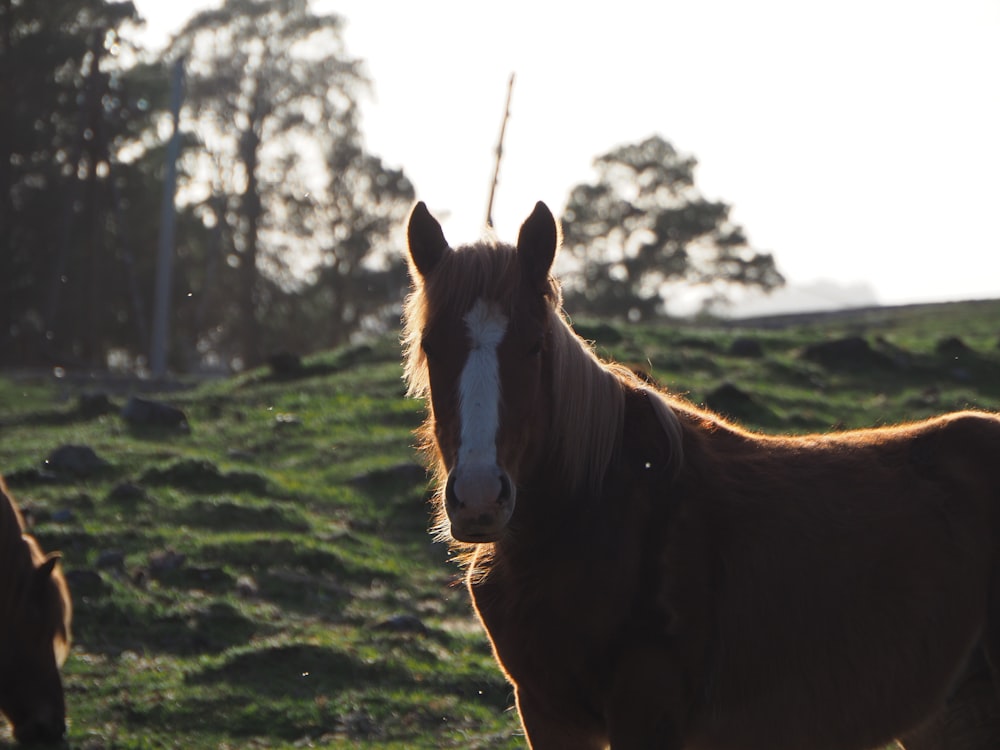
(261, 576)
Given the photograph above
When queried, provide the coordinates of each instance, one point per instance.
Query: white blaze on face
(479, 387)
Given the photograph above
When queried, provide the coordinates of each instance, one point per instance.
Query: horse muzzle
(479, 501)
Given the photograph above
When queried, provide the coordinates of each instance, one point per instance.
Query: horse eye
(428, 350)
(535, 349)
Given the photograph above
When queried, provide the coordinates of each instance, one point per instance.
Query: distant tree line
(287, 226)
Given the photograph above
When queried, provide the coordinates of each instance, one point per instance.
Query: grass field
(265, 579)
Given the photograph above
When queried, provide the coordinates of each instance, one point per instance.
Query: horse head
(34, 642)
(481, 341)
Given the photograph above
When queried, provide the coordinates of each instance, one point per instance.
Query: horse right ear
(425, 240)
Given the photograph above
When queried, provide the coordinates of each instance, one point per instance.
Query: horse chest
(552, 630)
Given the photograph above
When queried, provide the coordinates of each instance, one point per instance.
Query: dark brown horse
(653, 576)
(35, 612)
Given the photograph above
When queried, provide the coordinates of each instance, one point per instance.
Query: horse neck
(585, 435)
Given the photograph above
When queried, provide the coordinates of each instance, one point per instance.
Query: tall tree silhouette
(65, 108)
(643, 225)
(270, 87)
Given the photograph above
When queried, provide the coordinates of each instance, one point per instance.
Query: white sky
(857, 140)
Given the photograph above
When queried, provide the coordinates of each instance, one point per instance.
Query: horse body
(35, 612)
(851, 582)
(852, 629)
(651, 575)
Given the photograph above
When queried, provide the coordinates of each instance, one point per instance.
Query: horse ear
(44, 570)
(536, 244)
(425, 240)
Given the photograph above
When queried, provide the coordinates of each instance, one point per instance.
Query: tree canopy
(273, 96)
(642, 227)
(288, 229)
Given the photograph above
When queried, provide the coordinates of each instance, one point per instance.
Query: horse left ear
(425, 239)
(44, 570)
(536, 244)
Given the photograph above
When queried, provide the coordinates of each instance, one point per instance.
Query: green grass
(269, 581)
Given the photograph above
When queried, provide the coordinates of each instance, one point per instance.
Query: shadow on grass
(256, 551)
(298, 671)
(296, 576)
(229, 515)
(110, 625)
(307, 677)
(204, 476)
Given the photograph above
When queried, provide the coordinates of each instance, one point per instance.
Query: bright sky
(857, 141)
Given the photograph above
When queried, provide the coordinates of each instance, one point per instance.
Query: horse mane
(20, 554)
(589, 408)
(589, 402)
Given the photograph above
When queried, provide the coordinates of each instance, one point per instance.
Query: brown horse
(653, 576)
(35, 612)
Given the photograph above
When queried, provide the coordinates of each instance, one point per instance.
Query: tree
(66, 286)
(283, 219)
(273, 96)
(643, 227)
(360, 277)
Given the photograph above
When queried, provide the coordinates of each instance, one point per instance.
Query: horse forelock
(484, 270)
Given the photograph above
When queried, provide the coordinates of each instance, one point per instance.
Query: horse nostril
(504, 489)
(450, 498)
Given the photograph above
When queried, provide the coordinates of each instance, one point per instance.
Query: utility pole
(165, 246)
